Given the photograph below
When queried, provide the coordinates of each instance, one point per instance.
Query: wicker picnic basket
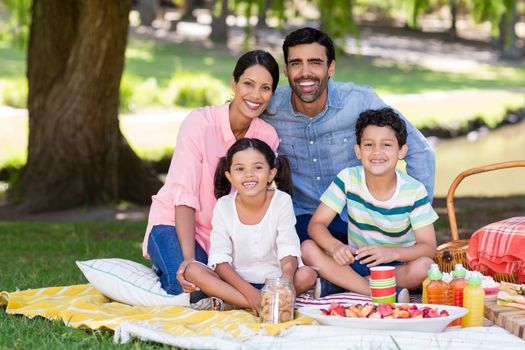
(454, 252)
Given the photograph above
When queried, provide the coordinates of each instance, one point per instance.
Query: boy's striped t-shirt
(375, 222)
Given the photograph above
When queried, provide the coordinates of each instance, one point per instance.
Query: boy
(390, 218)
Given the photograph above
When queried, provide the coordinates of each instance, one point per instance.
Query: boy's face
(379, 150)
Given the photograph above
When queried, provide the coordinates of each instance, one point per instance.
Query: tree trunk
(264, 6)
(219, 28)
(148, 10)
(76, 153)
(453, 17)
(507, 34)
(189, 7)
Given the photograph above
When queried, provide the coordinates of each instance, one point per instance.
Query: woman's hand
(186, 285)
(374, 255)
(343, 254)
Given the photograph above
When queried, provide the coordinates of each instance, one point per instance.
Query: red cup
(382, 272)
(383, 292)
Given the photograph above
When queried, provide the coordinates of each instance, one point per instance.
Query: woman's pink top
(204, 136)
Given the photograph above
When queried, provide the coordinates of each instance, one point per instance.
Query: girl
(253, 235)
(179, 221)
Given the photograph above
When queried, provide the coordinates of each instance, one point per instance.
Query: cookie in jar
(277, 301)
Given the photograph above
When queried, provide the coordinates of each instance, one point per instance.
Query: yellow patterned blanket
(83, 306)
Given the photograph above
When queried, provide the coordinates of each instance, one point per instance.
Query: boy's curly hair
(381, 117)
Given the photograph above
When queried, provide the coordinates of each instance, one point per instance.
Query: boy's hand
(374, 255)
(343, 254)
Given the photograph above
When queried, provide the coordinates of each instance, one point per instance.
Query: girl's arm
(318, 231)
(227, 273)
(185, 223)
(425, 246)
(288, 267)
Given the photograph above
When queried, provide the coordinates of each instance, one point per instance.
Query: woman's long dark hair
(253, 58)
(283, 177)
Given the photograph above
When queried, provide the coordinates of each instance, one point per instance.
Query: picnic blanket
(83, 306)
(499, 247)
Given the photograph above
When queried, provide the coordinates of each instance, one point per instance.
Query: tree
(76, 152)
(148, 10)
(219, 28)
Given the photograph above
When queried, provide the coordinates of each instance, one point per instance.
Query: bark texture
(76, 153)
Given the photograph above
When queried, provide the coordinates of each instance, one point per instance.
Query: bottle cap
(434, 268)
(459, 271)
(435, 275)
(475, 278)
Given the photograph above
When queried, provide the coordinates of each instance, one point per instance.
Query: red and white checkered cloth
(499, 247)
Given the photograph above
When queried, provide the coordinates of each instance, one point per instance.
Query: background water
(456, 155)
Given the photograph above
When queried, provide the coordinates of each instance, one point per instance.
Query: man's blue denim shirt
(319, 147)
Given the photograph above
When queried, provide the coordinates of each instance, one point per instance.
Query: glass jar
(277, 301)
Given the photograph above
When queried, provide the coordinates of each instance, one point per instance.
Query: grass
(35, 255)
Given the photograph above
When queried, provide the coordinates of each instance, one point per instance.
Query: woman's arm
(185, 223)
(288, 267)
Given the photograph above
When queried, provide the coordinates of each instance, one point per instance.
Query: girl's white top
(254, 251)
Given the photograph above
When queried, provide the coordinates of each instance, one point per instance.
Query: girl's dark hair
(381, 117)
(308, 35)
(252, 58)
(283, 178)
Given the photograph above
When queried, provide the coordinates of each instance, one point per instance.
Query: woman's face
(253, 91)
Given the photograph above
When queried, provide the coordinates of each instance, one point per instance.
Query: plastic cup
(383, 284)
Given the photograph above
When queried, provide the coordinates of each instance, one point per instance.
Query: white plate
(402, 324)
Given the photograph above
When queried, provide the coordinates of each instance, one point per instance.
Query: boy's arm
(425, 246)
(318, 231)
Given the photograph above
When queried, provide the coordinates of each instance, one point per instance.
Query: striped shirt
(374, 222)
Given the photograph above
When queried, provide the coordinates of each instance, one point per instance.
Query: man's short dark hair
(308, 35)
(381, 117)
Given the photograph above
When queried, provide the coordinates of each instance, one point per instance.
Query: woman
(179, 222)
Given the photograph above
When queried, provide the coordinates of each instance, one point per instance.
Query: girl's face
(379, 150)
(250, 173)
(253, 91)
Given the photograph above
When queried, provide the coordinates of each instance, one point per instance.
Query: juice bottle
(455, 289)
(473, 301)
(437, 290)
(433, 267)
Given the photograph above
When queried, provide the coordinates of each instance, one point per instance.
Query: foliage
(49, 260)
(337, 20)
(195, 89)
(14, 92)
(16, 27)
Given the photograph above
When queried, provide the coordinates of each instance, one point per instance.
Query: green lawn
(35, 255)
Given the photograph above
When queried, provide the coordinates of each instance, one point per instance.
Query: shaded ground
(471, 214)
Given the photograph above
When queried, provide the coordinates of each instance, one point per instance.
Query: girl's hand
(374, 255)
(343, 255)
(186, 285)
(254, 299)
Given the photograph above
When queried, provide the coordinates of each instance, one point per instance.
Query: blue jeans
(166, 255)
(338, 228)
(328, 288)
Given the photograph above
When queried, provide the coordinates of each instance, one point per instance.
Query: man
(315, 119)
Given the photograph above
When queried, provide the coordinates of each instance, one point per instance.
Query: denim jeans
(328, 288)
(166, 255)
(338, 228)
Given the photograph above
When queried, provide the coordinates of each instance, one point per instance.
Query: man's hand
(374, 255)
(187, 286)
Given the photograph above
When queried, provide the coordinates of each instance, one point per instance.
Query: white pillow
(129, 282)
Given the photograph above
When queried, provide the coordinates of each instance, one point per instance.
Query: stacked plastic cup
(383, 284)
